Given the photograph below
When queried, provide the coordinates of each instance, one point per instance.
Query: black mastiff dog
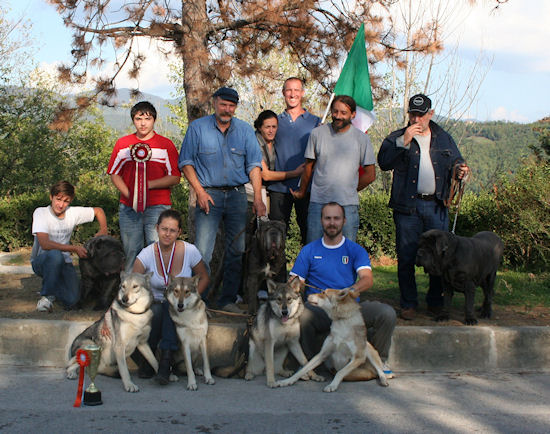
(463, 263)
(100, 271)
(266, 258)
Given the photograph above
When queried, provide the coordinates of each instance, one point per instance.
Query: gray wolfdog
(353, 357)
(463, 264)
(122, 329)
(276, 330)
(188, 312)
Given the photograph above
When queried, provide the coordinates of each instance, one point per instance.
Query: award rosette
(140, 153)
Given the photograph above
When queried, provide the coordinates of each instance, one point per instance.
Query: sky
(514, 37)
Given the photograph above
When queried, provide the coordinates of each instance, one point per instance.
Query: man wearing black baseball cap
(422, 156)
(218, 156)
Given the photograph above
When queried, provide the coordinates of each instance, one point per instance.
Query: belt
(425, 196)
(226, 187)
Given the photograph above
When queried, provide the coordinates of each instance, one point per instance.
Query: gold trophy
(92, 395)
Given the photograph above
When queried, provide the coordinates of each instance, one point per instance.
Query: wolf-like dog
(188, 312)
(123, 328)
(353, 357)
(276, 330)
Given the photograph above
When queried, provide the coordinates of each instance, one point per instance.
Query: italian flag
(354, 81)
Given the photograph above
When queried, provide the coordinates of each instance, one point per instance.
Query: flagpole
(328, 108)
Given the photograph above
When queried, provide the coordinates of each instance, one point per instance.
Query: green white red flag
(354, 81)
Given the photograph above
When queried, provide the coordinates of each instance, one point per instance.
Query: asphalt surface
(40, 400)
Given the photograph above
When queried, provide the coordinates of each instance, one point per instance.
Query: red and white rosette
(83, 360)
(140, 153)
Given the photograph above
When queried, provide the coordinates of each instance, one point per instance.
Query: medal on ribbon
(140, 153)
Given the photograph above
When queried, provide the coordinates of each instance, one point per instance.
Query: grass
(512, 288)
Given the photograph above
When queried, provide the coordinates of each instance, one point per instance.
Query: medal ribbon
(83, 360)
(140, 188)
(166, 273)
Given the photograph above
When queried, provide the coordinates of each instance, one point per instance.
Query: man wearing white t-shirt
(336, 262)
(52, 227)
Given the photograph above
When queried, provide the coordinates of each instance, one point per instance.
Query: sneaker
(239, 299)
(44, 305)
(387, 371)
(262, 295)
(232, 307)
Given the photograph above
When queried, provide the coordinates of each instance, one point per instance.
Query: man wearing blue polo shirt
(295, 125)
(218, 156)
(335, 262)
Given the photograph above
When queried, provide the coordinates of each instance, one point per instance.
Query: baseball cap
(420, 103)
(227, 94)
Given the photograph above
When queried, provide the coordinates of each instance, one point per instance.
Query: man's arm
(120, 185)
(203, 198)
(364, 282)
(258, 206)
(368, 176)
(47, 244)
(164, 182)
(305, 180)
(102, 220)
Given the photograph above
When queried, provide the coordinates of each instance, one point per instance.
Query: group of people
(291, 160)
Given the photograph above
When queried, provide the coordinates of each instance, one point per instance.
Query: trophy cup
(92, 395)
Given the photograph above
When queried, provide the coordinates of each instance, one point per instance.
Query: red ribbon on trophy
(140, 153)
(83, 360)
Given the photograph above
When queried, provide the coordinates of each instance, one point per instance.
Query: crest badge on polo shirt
(140, 153)
(345, 260)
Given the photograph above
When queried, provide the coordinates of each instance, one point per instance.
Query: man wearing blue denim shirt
(218, 156)
(422, 156)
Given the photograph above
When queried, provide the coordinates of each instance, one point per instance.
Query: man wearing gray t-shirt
(333, 155)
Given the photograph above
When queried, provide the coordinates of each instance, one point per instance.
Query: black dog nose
(180, 305)
(284, 311)
(125, 299)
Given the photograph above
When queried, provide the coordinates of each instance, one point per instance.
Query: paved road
(41, 401)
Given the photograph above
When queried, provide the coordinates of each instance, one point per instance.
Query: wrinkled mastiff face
(106, 254)
(271, 236)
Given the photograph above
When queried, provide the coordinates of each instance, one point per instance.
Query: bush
(376, 228)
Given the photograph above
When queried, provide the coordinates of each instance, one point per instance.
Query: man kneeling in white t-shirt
(52, 227)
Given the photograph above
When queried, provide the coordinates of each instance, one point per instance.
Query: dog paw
(248, 376)
(199, 372)
(285, 373)
(470, 321)
(313, 376)
(173, 378)
(272, 384)
(282, 383)
(485, 313)
(192, 386)
(383, 381)
(131, 387)
(71, 375)
(209, 380)
(330, 388)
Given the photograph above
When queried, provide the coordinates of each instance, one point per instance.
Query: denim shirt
(405, 162)
(220, 160)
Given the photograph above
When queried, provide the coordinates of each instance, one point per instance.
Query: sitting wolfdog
(123, 328)
(188, 312)
(353, 357)
(276, 330)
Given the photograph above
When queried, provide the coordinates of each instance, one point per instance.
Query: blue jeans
(137, 230)
(58, 277)
(315, 228)
(163, 332)
(229, 206)
(430, 214)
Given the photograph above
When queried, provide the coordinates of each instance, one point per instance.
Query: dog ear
(92, 246)
(343, 293)
(441, 244)
(148, 279)
(196, 279)
(296, 283)
(271, 286)
(170, 279)
(123, 275)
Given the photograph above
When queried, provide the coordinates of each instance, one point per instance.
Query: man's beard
(333, 234)
(340, 124)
